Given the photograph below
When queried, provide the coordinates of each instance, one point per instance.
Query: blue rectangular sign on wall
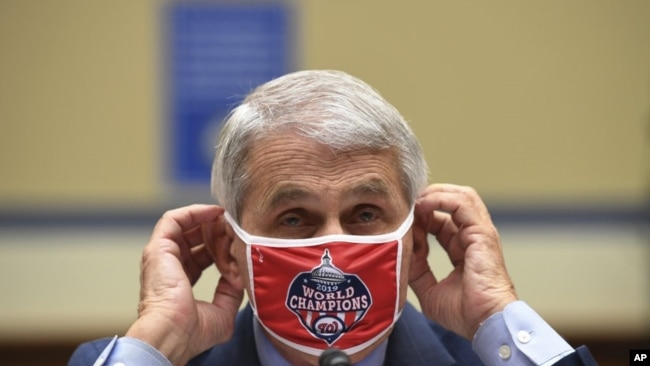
(217, 53)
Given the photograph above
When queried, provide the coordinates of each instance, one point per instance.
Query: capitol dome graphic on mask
(326, 273)
(327, 301)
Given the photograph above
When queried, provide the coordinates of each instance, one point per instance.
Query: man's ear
(220, 244)
(420, 230)
(419, 256)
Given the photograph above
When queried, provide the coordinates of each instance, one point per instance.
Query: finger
(161, 267)
(443, 228)
(201, 256)
(194, 236)
(183, 226)
(463, 203)
(446, 232)
(195, 265)
(192, 254)
(442, 224)
(176, 223)
(437, 223)
(179, 233)
(447, 235)
(465, 221)
(214, 232)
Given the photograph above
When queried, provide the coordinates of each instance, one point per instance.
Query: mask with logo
(331, 291)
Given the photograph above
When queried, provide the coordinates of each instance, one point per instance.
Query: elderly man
(324, 223)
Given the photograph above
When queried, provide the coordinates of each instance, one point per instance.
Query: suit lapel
(414, 343)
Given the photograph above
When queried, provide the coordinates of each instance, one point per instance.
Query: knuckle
(169, 214)
(492, 231)
(468, 191)
(155, 247)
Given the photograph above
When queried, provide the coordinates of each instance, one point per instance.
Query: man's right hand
(169, 317)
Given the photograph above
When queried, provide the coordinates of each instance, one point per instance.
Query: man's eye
(291, 221)
(367, 216)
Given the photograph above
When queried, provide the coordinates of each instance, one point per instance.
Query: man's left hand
(479, 285)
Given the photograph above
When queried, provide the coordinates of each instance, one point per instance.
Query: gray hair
(330, 107)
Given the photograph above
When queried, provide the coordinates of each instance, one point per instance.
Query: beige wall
(526, 101)
(533, 103)
(79, 108)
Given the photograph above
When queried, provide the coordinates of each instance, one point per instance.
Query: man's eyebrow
(372, 187)
(288, 194)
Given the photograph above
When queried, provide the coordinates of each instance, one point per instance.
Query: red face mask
(332, 291)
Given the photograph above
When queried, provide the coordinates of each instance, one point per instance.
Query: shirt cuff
(127, 351)
(518, 336)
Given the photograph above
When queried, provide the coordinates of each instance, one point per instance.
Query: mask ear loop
(243, 235)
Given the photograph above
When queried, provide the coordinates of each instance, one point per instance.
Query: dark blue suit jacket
(414, 341)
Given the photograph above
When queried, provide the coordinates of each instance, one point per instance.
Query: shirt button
(504, 352)
(523, 336)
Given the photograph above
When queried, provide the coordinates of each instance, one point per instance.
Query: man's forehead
(283, 170)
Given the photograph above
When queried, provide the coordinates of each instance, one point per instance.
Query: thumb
(421, 280)
(225, 305)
